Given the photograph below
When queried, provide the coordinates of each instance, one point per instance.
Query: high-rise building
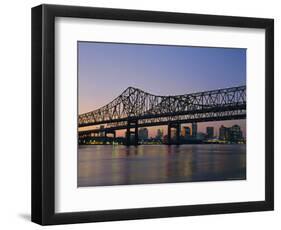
(235, 134)
(210, 132)
(186, 132)
(173, 133)
(223, 133)
(159, 134)
(194, 129)
(143, 133)
(231, 134)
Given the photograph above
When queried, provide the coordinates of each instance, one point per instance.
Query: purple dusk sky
(105, 70)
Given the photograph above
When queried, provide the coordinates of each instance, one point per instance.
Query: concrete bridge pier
(132, 124)
(177, 137)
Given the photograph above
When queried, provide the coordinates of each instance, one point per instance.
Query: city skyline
(106, 69)
(213, 134)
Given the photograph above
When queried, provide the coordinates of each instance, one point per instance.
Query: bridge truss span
(149, 109)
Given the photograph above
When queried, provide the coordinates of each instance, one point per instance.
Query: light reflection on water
(100, 165)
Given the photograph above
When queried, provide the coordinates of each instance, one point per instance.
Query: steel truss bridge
(135, 108)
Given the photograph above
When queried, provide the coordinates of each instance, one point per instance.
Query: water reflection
(119, 165)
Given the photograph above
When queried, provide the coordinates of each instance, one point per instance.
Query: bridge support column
(178, 132)
(128, 136)
(177, 137)
(169, 135)
(136, 142)
(132, 124)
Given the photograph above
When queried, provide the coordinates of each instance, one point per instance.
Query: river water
(102, 165)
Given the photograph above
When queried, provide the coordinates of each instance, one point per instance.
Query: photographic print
(160, 114)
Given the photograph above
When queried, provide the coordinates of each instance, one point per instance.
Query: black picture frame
(43, 114)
